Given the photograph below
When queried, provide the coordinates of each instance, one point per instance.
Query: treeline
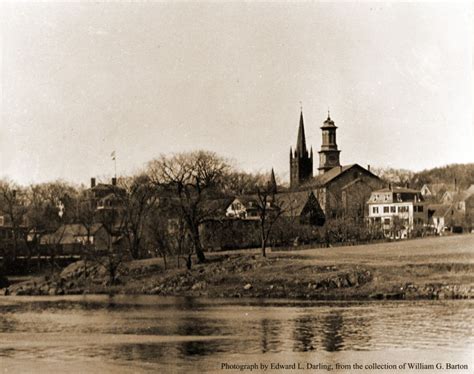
(158, 211)
(462, 173)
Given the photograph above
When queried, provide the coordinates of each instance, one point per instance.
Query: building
(72, 238)
(299, 207)
(341, 191)
(107, 202)
(397, 211)
(435, 190)
(456, 214)
(301, 162)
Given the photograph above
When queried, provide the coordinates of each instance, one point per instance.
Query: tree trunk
(197, 244)
(264, 243)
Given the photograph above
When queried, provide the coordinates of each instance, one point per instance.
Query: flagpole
(114, 158)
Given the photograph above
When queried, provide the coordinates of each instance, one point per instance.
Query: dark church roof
(330, 175)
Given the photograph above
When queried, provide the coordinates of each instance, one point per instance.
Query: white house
(398, 211)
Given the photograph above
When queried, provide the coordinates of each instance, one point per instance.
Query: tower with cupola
(329, 154)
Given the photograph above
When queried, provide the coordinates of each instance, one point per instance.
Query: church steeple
(301, 141)
(273, 183)
(301, 163)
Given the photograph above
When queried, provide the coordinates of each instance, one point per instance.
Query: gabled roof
(436, 188)
(246, 199)
(330, 175)
(217, 207)
(67, 234)
(292, 203)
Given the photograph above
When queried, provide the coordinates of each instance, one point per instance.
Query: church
(341, 190)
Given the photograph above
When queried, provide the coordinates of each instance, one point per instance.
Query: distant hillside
(463, 173)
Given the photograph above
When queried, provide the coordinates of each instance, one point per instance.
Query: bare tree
(12, 203)
(269, 211)
(192, 179)
(137, 198)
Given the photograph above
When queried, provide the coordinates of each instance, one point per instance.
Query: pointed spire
(301, 141)
(273, 183)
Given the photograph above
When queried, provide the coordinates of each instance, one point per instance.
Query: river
(115, 334)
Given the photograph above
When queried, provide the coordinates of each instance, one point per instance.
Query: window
(386, 221)
(399, 197)
(402, 209)
(375, 209)
(393, 209)
(386, 209)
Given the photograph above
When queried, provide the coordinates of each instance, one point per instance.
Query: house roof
(217, 206)
(397, 190)
(103, 187)
(67, 234)
(436, 188)
(461, 195)
(442, 210)
(292, 203)
(246, 199)
(330, 175)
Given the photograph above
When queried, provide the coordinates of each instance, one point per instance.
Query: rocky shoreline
(242, 276)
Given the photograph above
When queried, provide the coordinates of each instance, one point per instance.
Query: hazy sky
(79, 80)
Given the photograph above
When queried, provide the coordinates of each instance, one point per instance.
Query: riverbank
(431, 268)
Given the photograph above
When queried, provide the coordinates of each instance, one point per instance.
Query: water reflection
(269, 335)
(332, 332)
(304, 334)
(161, 331)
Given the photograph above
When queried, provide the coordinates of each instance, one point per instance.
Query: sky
(81, 80)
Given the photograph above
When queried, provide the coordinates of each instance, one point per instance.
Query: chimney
(114, 181)
(92, 182)
(390, 186)
(368, 167)
(455, 184)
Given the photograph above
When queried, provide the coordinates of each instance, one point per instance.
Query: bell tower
(329, 154)
(301, 162)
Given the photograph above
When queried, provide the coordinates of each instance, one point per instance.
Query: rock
(248, 286)
(52, 291)
(353, 279)
(199, 286)
(155, 290)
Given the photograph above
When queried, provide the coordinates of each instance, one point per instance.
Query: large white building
(397, 211)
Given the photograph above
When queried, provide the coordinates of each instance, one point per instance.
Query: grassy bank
(423, 268)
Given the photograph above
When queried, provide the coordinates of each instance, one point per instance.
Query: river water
(104, 334)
